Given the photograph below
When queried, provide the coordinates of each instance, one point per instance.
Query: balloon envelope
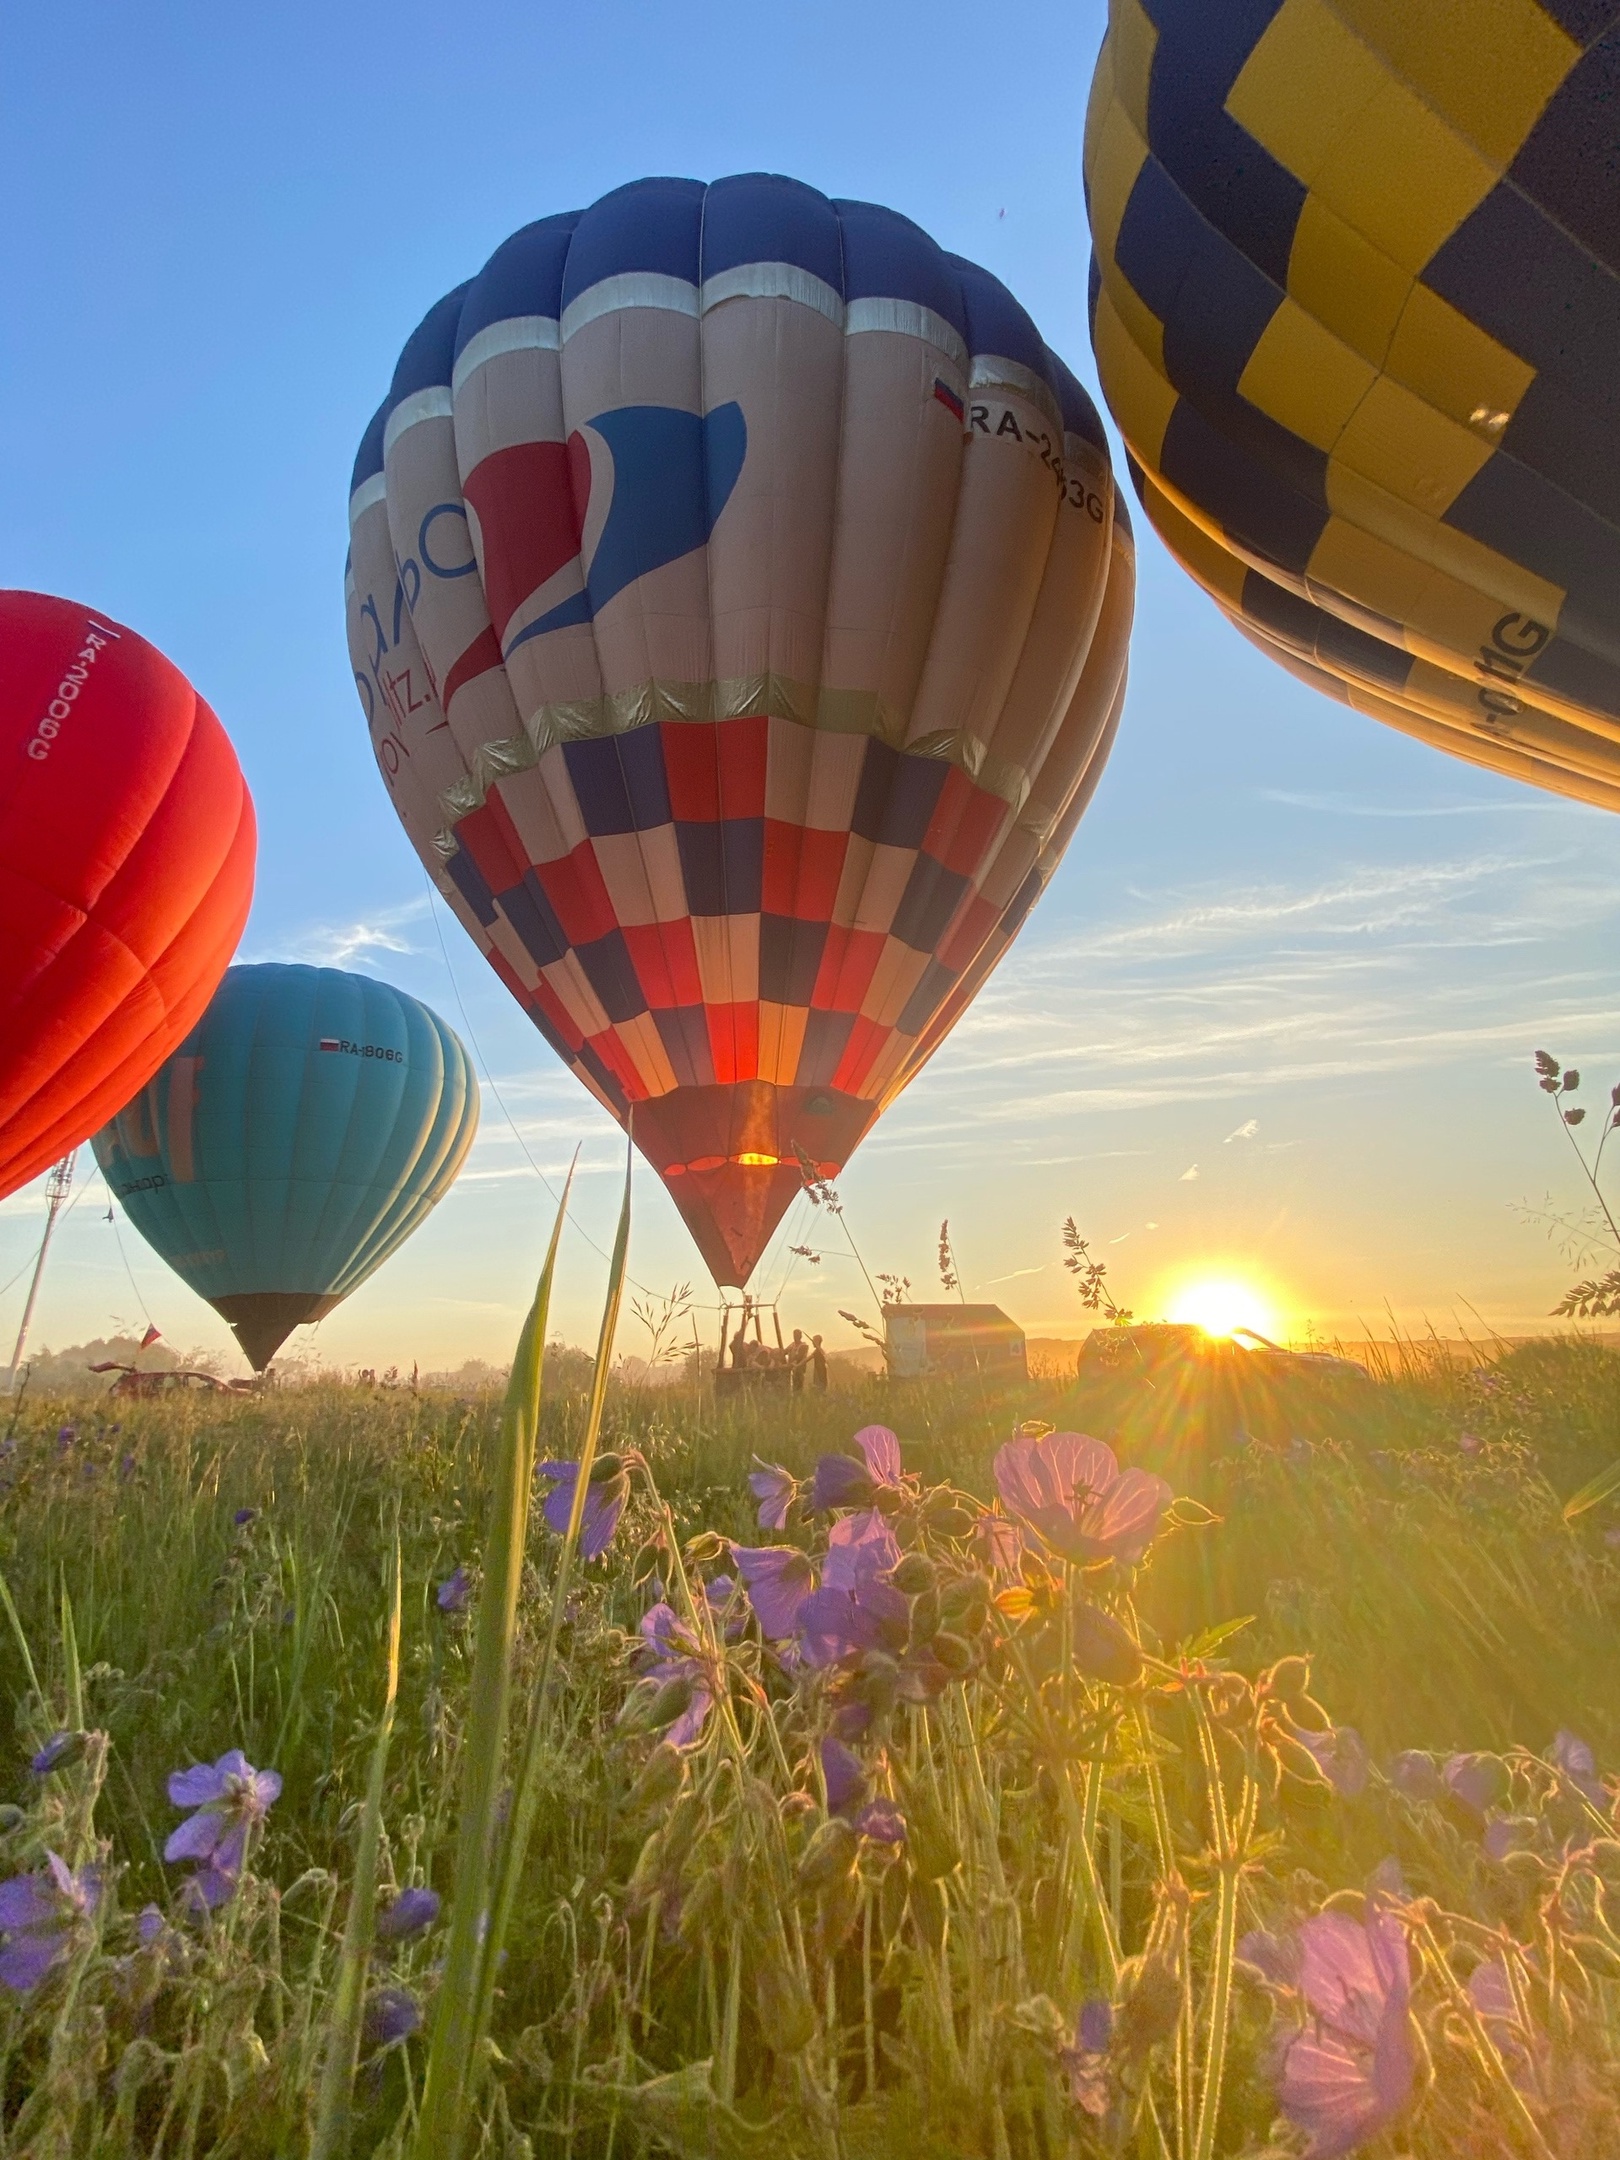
(126, 869)
(738, 605)
(1356, 308)
(298, 1136)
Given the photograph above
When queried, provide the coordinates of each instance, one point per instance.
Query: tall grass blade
(1595, 1490)
(21, 1634)
(526, 1795)
(448, 2092)
(331, 2132)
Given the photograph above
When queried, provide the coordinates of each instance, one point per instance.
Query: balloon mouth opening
(705, 1165)
(261, 1320)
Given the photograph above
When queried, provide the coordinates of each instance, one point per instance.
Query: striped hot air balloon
(739, 599)
(1356, 308)
(297, 1137)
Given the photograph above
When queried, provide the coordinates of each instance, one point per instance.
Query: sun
(1221, 1304)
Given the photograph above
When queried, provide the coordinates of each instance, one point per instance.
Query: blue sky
(221, 225)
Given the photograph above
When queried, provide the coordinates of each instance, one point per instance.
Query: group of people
(796, 1357)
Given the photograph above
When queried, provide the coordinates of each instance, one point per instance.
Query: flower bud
(953, 1652)
(1149, 2005)
(924, 1618)
(661, 1779)
(1103, 1650)
(829, 1855)
(933, 1851)
(964, 1605)
(705, 1548)
(787, 2016)
(915, 1574)
(1290, 1681)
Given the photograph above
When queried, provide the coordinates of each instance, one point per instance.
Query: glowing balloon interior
(126, 869)
(1356, 308)
(739, 602)
(298, 1136)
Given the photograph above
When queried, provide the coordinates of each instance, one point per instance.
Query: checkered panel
(1356, 306)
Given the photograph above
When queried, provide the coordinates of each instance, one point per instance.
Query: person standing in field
(818, 1365)
(798, 1357)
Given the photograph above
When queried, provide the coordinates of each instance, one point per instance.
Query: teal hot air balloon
(295, 1139)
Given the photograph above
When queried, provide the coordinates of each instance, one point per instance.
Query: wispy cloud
(328, 944)
(1212, 994)
(1331, 805)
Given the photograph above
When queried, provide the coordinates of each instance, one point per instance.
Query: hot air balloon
(300, 1133)
(126, 869)
(1356, 309)
(739, 606)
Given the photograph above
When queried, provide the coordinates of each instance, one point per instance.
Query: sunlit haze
(1220, 1304)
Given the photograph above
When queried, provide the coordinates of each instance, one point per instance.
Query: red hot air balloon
(739, 600)
(126, 869)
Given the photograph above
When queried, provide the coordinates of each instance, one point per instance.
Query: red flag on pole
(151, 1336)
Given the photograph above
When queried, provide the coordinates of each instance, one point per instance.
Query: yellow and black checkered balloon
(1356, 308)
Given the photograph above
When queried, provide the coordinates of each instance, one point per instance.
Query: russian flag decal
(329, 1042)
(948, 398)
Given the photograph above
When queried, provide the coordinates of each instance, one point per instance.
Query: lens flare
(1222, 1304)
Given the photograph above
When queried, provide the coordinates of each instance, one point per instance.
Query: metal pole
(56, 1191)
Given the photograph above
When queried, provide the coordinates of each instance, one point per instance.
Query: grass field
(1065, 1854)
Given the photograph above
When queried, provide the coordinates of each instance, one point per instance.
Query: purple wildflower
(604, 1501)
(1478, 1781)
(59, 1751)
(1001, 1545)
(859, 1549)
(1340, 1757)
(65, 1437)
(1095, 2030)
(882, 1822)
(126, 1468)
(231, 1799)
(39, 1916)
(843, 1777)
(778, 1579)
(1505, 1834)
(1086, 2062)
(1416, 1775)
(855, 1609)
(1070, 1490)
(455, 1590)
(775, 1489)
(245, 1515)
(1350, 2072)
(674, 1653)
(412, 1911)
(392, 2014)
(1570, 1754)
(150, 1926)
(862, 1479)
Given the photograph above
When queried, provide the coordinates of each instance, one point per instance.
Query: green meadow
(1026, 1877)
